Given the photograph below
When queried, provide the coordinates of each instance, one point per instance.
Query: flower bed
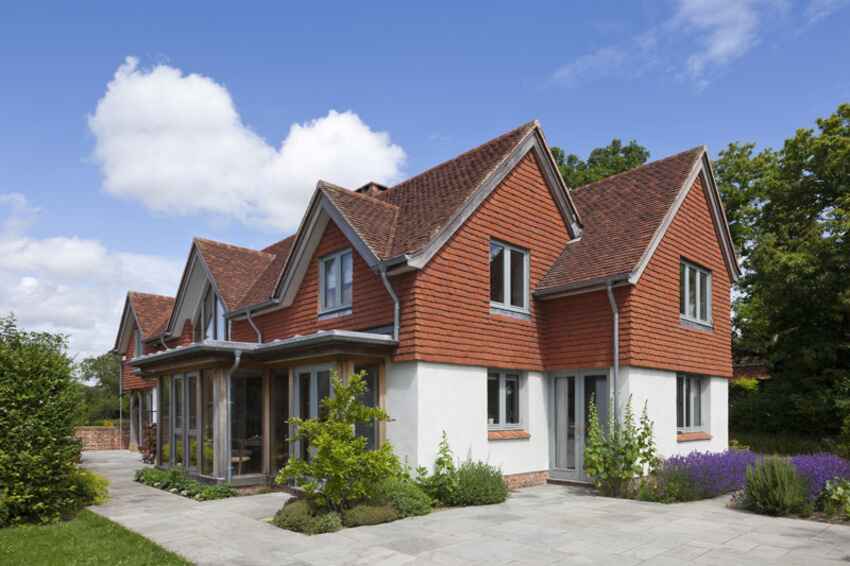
(817, 469)
(174, 481)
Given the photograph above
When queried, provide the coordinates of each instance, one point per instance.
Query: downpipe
(396, 307)
(616, 312)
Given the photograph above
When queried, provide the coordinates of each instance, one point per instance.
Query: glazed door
(572, 395)
(312, 384)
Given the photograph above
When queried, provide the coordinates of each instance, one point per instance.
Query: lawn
(87, 540)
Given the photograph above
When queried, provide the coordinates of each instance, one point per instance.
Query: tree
(602, 162)
(98, 383)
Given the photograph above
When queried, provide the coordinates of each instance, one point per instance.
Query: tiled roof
(152, 312)
(234, 268)
(263, 287)
(428, 201)
(373, 219)
(620, 214)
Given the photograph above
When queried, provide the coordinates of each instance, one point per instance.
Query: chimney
(371, 189)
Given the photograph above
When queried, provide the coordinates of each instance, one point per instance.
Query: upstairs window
(212, 319)
(508, 277)
(335, 277)
(694, 293)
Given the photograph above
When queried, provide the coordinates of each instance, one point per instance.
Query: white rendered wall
(658, 389)
(427, 398)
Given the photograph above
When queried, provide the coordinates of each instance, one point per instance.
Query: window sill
(696, 325)
(508, 312)
(507, 435)
(692, 436)
(336, 313)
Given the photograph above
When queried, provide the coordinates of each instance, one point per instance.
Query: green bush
(407, 498)
(175, 481)
(341, 471)
(442, 483)
(91, 488)
(361, 515)
(4, 512)
(38, 404)
(479, 483)
(301, 516)
(615, 457)
(834, 500)
(773, 487)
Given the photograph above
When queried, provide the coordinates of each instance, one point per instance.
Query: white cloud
(176, 143)
(816, 10)
(602, 63)
(71, 285)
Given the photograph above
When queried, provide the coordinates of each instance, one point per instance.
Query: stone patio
(541, 525)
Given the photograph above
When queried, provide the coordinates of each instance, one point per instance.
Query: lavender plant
(817, 469)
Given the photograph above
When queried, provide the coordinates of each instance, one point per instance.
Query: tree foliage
(38, 452)
(98, 385)
(602, 162)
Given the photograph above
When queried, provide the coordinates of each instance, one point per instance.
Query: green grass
(88, 539)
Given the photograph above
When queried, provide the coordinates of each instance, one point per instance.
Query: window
(336, 277)
(694, 293)
(212, 318)
(689, 411)
(503, 400)
(138, 349)
(508, 277)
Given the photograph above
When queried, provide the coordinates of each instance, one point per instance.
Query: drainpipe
(237, 359)
(120, 403)
(396, 308)
(162, 341)
(254, 326)
(616, 313)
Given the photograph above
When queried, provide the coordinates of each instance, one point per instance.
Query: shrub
(479, 483)
(175, 481)
(817, 469)
(341, 471)
(38, 404)
(368, 515)
(301, 516)
(407, 498)
(614, 458)
(4, 512)
(698, 475)
(773, 487)
(90, 488)
(835, 498)
(442, 483)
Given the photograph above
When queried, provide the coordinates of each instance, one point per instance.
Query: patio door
(572, 393)
(186, 434)
(312, 384)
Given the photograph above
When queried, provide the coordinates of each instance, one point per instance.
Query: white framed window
(335, 281)
(212, 318)
(509, 267)
(503, 400)
(694, 293)
(689, 406)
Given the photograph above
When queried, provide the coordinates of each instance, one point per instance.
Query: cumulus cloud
(176, 143)
(68, 284)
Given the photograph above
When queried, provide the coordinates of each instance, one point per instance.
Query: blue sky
(118, 163)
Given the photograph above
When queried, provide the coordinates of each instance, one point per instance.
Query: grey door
(572, 394)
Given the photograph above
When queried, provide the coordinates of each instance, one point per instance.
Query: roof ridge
(278, 242)
(150, 294)
(528, 125)
(228, 245)
(642, 166)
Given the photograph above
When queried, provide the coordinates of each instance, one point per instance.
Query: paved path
(542, 525)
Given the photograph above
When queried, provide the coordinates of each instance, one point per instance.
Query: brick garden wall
(101, 437)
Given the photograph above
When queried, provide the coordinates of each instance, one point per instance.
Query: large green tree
(790, 212)
(98, 377)
(602, 162)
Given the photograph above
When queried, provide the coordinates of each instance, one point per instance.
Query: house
(481, 297)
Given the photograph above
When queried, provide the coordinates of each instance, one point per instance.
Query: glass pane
(304, 401)
(696, 392)
(165, 421)
(692, 292)
(370, 399)
(178, 402)
(596, 388)
(493, 399)
(347, 277)
(207, 454)
(192, 394)
(323, 391)
(246, 425)
(688, 421)
(512, 399)
(221, 324)
(703, 295)
(517, 279)
(682, 288)
(497, 273)
(209, 315)
(280, 416)
(680, 402)
(330, 283)
(565, 423)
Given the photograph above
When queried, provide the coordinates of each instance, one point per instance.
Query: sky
(127, 130)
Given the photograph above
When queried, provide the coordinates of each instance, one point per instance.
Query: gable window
(335, 278)
(503, 407)
(508, 277)
(212, 319)
(138, 348)
(694, 293)
(689, 410)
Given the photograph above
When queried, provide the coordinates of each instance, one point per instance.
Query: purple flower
(817, 469)
(708, 474)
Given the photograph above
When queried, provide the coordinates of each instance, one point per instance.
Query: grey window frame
(506, 278)
(695, 404)
(336, 258)
(138, 345)
(503, 377)
(685, 286)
